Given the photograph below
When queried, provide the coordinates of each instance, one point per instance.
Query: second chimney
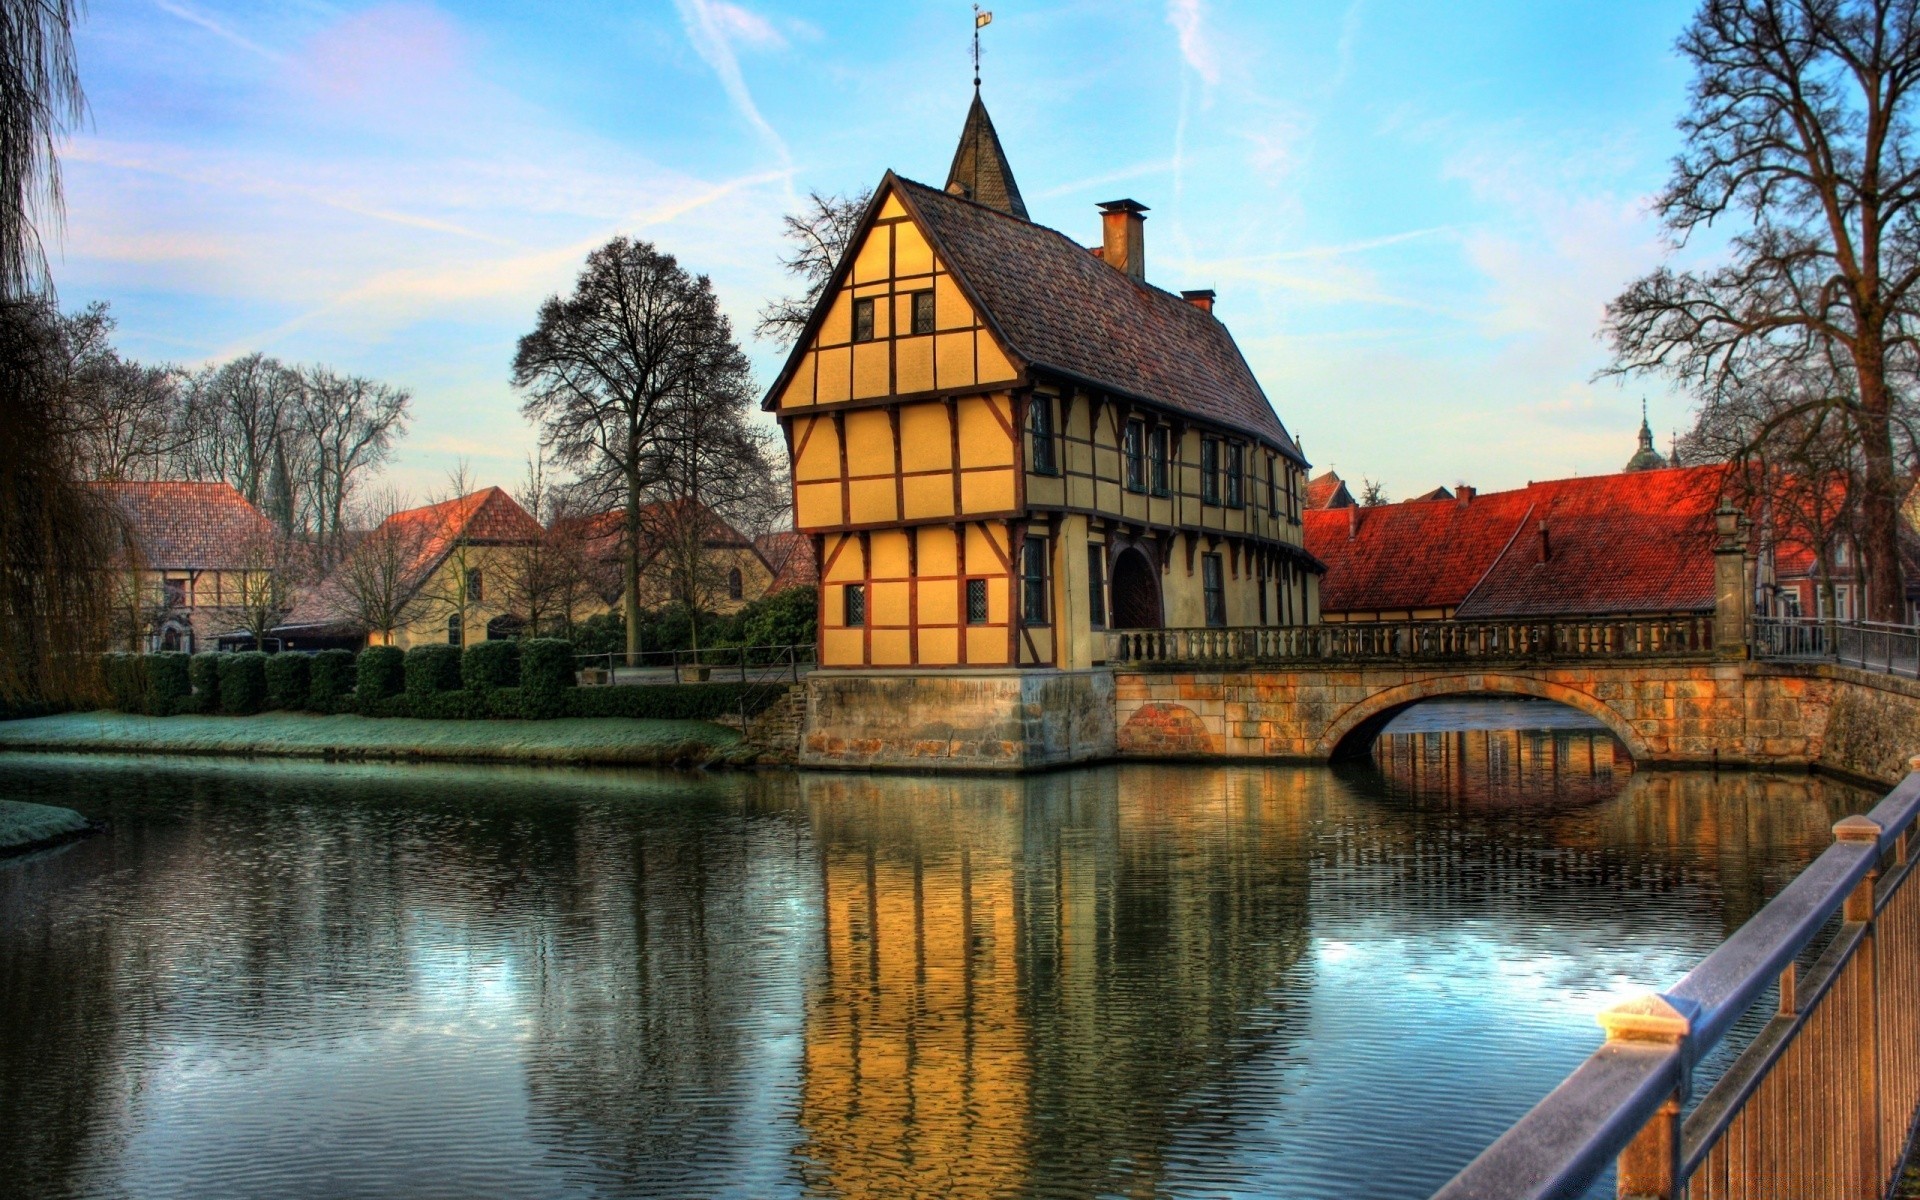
(1200, 298)
(1123, 239)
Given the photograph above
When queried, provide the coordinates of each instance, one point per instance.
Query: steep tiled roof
(190, 526)
(980, 171)
(1328, 490)
(1640, 542)
(1060, 308)
(603, 535)
(790, 554)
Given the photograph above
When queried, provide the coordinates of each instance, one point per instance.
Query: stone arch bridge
(1324, 692)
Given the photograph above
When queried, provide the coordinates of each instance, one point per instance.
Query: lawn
(567, 740)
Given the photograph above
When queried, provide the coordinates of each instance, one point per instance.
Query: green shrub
(433, 668)
(490, 665)
(785, 618)
(546, 677)
(330, 680)
(683, 702)
(169, 685)
(126, 679)
(288, 681)
(204, 672)
(379, 673)
(243, 682)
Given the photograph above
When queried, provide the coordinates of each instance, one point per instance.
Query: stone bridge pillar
(1732, 594)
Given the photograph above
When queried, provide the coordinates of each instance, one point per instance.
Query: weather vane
(980, 21)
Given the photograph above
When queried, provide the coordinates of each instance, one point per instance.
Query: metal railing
(1818, 1105)
(710, 664)
(1420, 641)
(1868, 645)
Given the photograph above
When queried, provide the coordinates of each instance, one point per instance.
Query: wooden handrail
(1624, 1103)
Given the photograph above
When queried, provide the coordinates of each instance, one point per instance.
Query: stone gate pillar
(1732, 597)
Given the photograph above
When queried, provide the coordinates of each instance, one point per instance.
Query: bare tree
(349, 424)
(545, 582)
(40, 101)
(819, 235)
(261, 591)
(1373, 493)
(606, 368)
(1800, 129)
(377, 584)
(240, 415)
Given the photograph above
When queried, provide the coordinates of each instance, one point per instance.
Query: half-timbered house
(1005, 442)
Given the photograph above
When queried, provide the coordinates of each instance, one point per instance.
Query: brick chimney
(1463, 495)
(1546, 544)
(1202, 299)
(1353, 521)
(1123, 240)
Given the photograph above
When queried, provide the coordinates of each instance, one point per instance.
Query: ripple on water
(297, 980)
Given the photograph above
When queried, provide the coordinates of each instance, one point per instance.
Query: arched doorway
(1136, 591)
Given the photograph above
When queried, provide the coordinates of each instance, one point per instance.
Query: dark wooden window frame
(853, 605)
(863, 318)
(1213, 590)
(1033, 582)
(922, 304)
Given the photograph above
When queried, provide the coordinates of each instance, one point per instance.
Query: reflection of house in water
(1022, 979)
(1504, 768)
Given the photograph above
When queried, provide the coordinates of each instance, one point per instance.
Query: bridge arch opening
(1352, 734)
(1136, 591)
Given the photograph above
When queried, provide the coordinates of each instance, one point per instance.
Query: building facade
(1005, 443)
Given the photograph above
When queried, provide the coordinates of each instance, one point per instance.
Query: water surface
(358, 981)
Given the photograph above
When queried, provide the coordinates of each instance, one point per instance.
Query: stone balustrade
(1682, 638)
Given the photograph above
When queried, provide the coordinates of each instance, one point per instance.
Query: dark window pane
(856, 605)
(1136, 456)
(1033, 581)
(1160, 441)
(923, 312)
(1236, 457)
(174, 593)
(736, 586)
(1273, 486)
(1210, 471)
(1040, 423)
(1097, 586)
(976, 602)
(863, 320)
(1213, 584)
(456, 631)
(476, 586)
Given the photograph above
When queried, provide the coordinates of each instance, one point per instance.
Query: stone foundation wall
(958, 721)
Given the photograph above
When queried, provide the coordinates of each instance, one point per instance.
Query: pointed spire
(1647, 458)
(980, 171)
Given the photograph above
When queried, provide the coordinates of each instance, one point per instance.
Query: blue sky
(1413, 213)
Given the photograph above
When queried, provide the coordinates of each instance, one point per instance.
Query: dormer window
(923, 312)
(863, 320)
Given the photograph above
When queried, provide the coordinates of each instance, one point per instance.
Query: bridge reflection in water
(1501, 754)
(313, 981)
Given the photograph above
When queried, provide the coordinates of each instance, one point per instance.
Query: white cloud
(1187, 17)
(715, 27)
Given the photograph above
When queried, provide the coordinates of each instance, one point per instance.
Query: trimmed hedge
(488, 666)
(243, 682)
(546, 677)
(287, 681)
(431, 669)
(380, 673)
(126, 678)
(204, 673)
(330, 680)
(169, 683)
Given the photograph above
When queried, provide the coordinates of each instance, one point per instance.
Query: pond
(310, 980)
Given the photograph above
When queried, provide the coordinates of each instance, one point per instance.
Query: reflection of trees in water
(1503, 768)
(1025, 977)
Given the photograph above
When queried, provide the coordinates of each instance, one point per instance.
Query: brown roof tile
(190, 526)
(1060, 308)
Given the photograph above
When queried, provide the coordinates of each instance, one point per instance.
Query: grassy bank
(305, 735)
(24, 826)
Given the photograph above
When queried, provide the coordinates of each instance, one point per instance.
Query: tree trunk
(1885, 598)
(630, 607)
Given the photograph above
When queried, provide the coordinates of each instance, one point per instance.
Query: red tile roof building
(1638, 543)
(740, 571)
(197, 548)
(1328, 491)
(476, 528)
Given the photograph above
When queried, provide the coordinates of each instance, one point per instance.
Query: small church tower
(1646, 458)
